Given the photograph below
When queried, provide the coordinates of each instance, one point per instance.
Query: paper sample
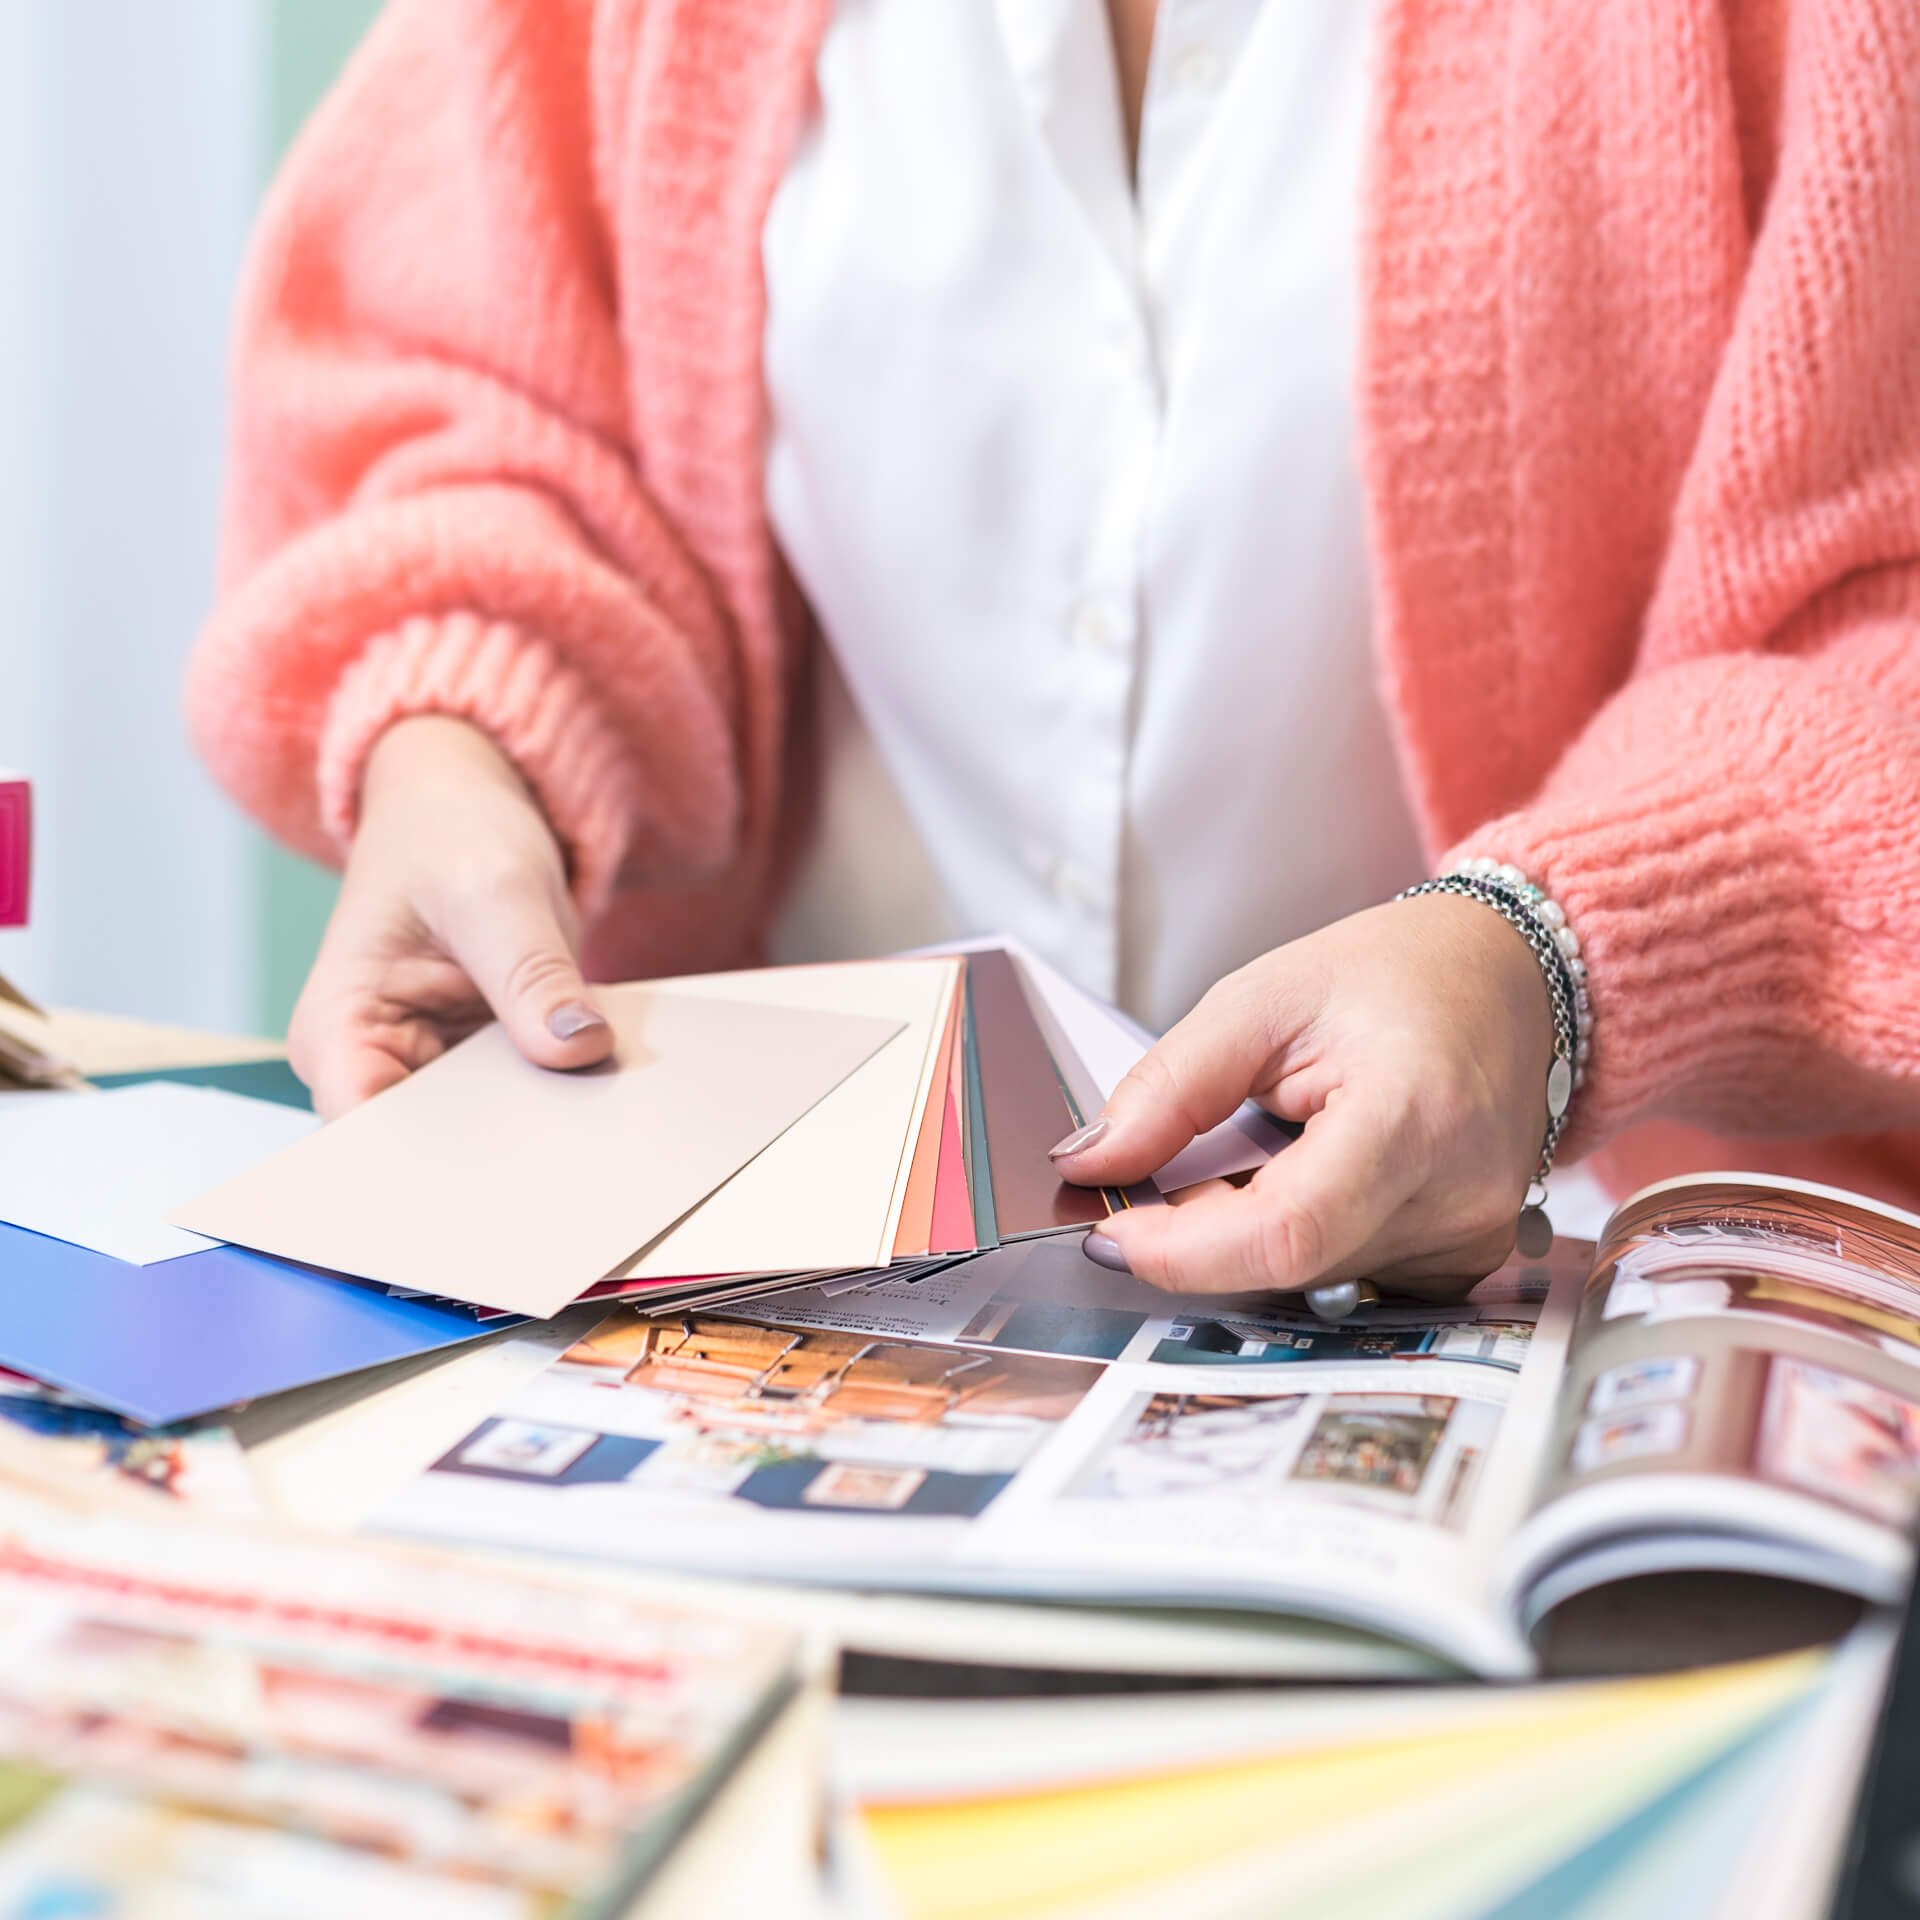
(914, 1238)
(952, 1228)
(1026, 1110)
(485, 1178)
(1107, 1043)
(103, 1170)
(16, 847)
(828, 1192)
(183, 1337)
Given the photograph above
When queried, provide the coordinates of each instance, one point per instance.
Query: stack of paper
(752, 1129)
(486, 1179)
(173, 1249)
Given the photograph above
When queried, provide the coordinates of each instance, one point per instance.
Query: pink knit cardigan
(1640, 402)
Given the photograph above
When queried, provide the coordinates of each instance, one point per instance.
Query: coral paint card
(952, 1230)
(914, 1240)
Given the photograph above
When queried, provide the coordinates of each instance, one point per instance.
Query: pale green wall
(306, 41)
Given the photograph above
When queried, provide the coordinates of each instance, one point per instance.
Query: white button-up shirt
(1064, 463)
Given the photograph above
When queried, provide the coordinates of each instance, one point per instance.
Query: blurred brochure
(255, 1723)
(486, 1179)
(30, 1053)
(1731, 1385)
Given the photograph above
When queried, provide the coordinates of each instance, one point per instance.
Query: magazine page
(1026, 1423)
(1742, 1392)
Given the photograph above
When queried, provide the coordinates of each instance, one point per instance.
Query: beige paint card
(828, 1192)
(487, 1179)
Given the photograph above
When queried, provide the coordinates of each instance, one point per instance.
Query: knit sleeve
(433, 503)
(1736, 834)
(1737, 843)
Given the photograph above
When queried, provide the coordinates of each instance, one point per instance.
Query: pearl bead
(1551, 913)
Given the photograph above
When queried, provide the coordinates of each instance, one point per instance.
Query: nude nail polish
(1079, 1140)
(576, 1017)
(1105, 1252)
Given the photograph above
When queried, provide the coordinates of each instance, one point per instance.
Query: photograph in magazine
(791, 1419)
(1405, 1454)
(1759, 1333)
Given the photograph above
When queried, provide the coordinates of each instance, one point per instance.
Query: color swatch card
(103, 1170)
(486, 1179)
(1024, 1108)
(184, 1337)
(829, 1192)
(16, 847)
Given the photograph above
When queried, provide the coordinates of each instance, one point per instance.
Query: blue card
(183, 1337)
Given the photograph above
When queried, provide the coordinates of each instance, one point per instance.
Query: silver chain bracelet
(1542, 923)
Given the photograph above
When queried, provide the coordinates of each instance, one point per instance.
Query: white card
(103, 1170)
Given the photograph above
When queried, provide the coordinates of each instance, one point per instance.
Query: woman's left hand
(1413, 1041)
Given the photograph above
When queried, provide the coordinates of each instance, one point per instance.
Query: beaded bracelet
(1542, 923)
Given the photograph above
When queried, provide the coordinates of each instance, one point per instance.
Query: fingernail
(575, 1017)
(1104, 1251)
(1079, 1140)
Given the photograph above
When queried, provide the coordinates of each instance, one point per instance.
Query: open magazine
(1730, 1380)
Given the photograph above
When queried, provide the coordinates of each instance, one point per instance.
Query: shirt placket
(1079, 861)
(1101, 635)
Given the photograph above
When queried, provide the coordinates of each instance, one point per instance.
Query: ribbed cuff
(1702, 929)
(539, 710)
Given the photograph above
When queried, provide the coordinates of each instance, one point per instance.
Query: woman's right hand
(453, 909)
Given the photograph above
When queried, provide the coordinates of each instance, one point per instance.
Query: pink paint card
(16, 847)
(952, 1207)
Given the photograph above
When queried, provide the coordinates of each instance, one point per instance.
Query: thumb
(516, 943)
(1186, 1084)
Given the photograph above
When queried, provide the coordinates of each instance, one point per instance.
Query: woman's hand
(454, 908)
(1414, 1041)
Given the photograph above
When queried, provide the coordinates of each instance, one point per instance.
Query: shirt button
(1094, 628)
(1197, 70)
(1072, 886)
